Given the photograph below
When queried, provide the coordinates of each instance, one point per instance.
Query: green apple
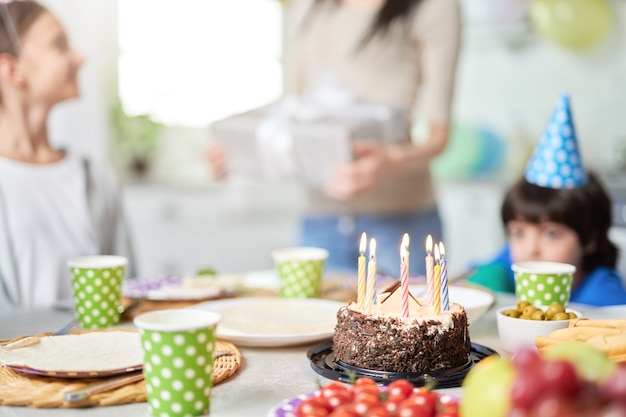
(591, 364)
(487, 388)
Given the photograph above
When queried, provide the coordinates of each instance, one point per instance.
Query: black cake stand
(323, 362)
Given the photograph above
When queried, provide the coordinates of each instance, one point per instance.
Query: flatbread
(87, 352)
(276, 318)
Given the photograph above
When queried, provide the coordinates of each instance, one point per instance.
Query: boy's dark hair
(587, 210)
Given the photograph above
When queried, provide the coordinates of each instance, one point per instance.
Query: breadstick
(607, 323)
(611, 345)
(583, 333)
(543, 342)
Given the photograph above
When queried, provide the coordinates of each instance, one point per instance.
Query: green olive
(529, 310)
(561, 316)
(521, 305)
(554, 308)
(538, 315)
(572, 315)
(512, 313)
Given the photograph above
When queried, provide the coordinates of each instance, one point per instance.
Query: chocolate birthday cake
(383, 340)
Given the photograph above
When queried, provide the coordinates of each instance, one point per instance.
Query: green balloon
(573, 24)
(460, 156)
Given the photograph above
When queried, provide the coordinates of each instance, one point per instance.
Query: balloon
(573, 24)
(473, 151)
(461, 154)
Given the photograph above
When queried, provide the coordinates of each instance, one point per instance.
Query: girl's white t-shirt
(49, 222)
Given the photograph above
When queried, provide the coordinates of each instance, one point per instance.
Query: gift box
(301, 139)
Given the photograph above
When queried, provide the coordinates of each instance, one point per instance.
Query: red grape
(554, 405)
(614, 388)
(526, 360)
(560, 376)
(524, 391)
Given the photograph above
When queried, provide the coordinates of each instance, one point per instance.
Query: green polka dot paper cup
(542, 283)
(97, 286)
(300, 271)
(178, 348)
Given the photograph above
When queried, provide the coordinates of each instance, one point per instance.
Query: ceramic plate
(287, 408)
(176, 287)
(269, 322)
(476, 301)
(84, 355)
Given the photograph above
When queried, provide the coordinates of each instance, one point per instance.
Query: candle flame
(405, 241)
(442, 250)
(429, 243)
(363, 243)
(437, 253)
(373, 248)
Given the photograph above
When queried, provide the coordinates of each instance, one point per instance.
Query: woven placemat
(20, 389)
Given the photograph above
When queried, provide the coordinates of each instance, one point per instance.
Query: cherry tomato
(392, 404)
(365, 389)
(400, 388)
(329, 390)
(346, 410)
(411, 409)
(339, 398)
(365, 402)
(364, 381)
(379, 411)
(421, 403)
(313, 406)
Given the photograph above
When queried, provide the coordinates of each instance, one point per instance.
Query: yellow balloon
(573, 24)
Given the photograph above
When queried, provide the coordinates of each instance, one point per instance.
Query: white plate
(175, 287)
(476, 301)
(610, 312)
(271, 322)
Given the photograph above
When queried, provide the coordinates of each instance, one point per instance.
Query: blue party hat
(556, 162)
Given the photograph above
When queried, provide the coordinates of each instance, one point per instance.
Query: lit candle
(371, 277)
(361, 274)
(444, 278)
(429, 270)
(437, 283)
(404, 274)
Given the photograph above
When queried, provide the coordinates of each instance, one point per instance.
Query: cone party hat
(556, 161)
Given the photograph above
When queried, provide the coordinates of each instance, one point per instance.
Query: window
(191, 62)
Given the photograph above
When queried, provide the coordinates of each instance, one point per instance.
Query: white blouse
(48, 220)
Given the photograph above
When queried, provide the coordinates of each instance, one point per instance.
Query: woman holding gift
(387, 53)
(54, 204)
(560, 213)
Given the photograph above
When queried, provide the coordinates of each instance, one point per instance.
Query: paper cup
(542, 283)
(97, 286)
(178, 348)
(300, 271)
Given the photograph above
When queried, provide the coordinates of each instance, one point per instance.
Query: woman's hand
(216, 156)
(369, 168)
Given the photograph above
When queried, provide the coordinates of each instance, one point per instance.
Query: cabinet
(470, 212)
(177, 229)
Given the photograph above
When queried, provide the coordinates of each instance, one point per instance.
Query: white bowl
(475, 300)
(515, 333)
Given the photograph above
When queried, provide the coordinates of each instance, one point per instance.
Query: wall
(91, 25)
(509, 78)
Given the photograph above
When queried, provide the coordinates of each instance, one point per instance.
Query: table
(267, 376)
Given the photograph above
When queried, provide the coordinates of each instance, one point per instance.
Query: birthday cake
(382, 339)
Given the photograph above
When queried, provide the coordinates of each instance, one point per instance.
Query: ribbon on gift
(328, 100)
